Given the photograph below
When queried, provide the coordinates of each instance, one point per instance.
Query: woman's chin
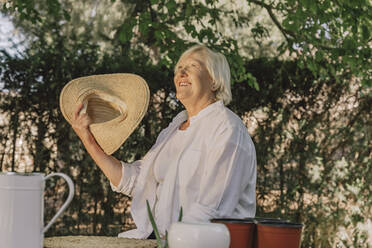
(182, 96)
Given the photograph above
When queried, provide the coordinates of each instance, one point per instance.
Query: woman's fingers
(78, 109)
(81, 119)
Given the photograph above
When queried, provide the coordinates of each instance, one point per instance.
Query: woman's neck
(194, 109)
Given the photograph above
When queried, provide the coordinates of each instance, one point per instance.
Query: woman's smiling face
(192, 79)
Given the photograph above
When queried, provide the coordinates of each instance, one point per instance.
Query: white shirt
(213, 177)
(168, 157)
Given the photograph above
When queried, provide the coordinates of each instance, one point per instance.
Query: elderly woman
(204, 161)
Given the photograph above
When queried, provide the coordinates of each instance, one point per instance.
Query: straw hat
(116, 103)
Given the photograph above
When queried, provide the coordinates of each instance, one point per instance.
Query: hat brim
(129, 88)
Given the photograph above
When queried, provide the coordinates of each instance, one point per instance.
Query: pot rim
(233, 220)
(263, 220)
(281, 224)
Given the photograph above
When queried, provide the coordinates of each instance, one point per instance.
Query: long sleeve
(228, 179)
(131, 171)
(128, 179)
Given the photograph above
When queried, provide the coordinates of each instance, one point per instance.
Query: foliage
(330, 38)
(314, 152)
(310, 121)
(149, 27)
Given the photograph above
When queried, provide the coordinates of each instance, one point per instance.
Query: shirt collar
(182, 116)
(206, 111)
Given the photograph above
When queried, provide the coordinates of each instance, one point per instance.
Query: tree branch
(287, 33)
(269, 10)
(152, 13)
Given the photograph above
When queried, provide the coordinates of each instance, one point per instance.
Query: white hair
(218, 69)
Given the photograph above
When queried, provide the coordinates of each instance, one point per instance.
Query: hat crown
(102, 107)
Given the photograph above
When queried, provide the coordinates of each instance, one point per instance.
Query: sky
(8, 33)
(8, 36)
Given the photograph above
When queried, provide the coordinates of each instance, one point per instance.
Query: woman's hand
(80, 123)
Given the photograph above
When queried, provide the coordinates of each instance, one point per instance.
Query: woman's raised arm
(109, 165)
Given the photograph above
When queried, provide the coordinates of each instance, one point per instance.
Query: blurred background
(301, 82)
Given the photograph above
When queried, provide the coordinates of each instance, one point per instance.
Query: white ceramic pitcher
(22, 208)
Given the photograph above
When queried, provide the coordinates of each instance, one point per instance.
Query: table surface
(97, 242)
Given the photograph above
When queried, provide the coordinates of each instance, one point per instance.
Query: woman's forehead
(193, 57)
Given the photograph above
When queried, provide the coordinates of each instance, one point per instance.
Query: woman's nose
(183, 72)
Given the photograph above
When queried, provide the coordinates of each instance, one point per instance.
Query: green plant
(156, 231)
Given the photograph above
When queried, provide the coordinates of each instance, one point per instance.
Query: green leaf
(190, 28)
(368, 83)
(255, 85)
(180, 215)
(319, 56)
(158, 35)
(349, 43)
(313, 7)
(126, 31)
(188, 11)
(66, 15)
(123, 36)
(290, 24)
(143, 28)
(365, 32)
(171, 6)
(252, 81)
(312, 66)
(154, 226)
(202, 11)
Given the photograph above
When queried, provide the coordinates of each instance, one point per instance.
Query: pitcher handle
(68, 200)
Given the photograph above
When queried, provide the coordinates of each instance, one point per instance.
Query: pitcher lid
(13, 173)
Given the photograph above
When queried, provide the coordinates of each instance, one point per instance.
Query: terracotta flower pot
(276, 234)
(241, 232)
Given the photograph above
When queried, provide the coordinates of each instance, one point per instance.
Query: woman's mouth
(183, 84)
